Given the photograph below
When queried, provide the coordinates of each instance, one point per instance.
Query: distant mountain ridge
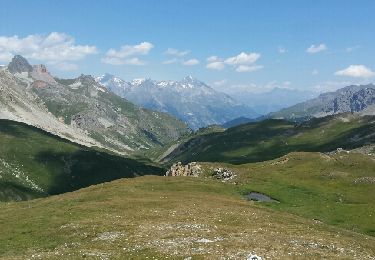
(273, 100)
(354, 99)
(189, 99)
(81, 110)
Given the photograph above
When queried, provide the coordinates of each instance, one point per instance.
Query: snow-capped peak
(138, 82)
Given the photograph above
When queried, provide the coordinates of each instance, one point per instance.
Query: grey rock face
(19, 64)
(352, 99)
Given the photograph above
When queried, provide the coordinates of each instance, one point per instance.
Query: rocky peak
(192, 80)
(19, 64)
(86, 79)
(40, 72)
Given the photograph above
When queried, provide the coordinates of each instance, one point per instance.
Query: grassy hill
(167, 217)
(270, 139)
(34, 163)
(335, 189)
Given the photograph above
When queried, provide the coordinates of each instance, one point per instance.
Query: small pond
(256, 196)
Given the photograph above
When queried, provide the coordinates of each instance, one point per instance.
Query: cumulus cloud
(213, 59)
(216, 65)
(243, 62)
(54, 48)
(243, 59)
(175, 52)
(356, 71)
(125, 55)
(190, 62)
(316, 48)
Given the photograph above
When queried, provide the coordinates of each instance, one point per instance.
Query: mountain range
(189, 99)
(81, 110)
(353, 99)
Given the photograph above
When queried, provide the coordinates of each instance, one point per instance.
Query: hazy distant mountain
(81, 110)
(274, 100)
(238, 121)
(354, 99)
(189, 99)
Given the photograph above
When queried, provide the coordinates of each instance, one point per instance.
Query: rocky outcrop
(190, 169)
(40, 73)
(19, 64)
(223, 174)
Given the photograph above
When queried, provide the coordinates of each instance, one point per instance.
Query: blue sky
(232, 45)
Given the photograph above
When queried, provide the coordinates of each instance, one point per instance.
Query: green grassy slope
(166, 217)
(337, 189)
(34, 163)
(271, 139)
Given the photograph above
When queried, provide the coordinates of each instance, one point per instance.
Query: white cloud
(243, 59)
(175, 52)
(245, 68)
(316, 48)
(281, 49)
(213, 59)
(357, 71)
(52, 48)
(190, 62)
(243, 62)
(125, 55)
(171, 61)
(216, 65)
(315, 72)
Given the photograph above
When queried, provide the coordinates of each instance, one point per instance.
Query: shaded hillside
(271, 139)
(34, 163)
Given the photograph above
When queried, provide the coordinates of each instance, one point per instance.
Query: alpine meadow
(187, 129)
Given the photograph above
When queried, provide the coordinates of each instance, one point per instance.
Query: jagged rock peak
(19, 64)
(86, 79)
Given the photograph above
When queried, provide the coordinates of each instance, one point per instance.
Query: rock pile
(223, 174)
(190, 169)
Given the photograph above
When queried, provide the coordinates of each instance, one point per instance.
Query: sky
(234, 46)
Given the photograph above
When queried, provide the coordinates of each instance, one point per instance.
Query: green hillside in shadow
(270, 139)
(34, 163)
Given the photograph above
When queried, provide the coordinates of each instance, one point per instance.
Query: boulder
(223, 174)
